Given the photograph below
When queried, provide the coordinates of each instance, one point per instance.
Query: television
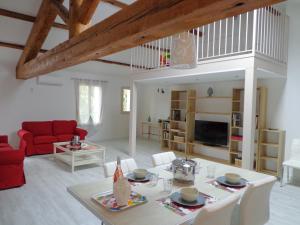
(211, 133)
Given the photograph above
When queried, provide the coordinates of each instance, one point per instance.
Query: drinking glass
(211, 170)
(168, 185)
(154, 179)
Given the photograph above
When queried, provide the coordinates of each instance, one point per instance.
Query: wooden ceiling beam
(116, 3)
(21, 47)
(28, 18)
(75, 25)
(61, 10)
(139, 23)
(39, 31)
(88, 8)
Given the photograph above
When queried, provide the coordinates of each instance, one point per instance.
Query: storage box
(178, 139)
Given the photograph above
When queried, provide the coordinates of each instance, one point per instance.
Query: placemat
(180, 210)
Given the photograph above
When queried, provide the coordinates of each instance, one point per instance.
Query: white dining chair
(218, 213)
(127, 166)
(254, 207)
(293, 161)
(164, 158)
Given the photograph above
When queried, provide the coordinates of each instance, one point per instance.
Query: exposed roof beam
(116, 3)
(139, 23)
(28, 18)
(112, 62)
(39, 31)
(75, 25)
(15, 46)
(21, 47)
(62, 11)
(88, 8)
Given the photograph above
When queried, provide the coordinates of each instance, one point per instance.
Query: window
(89, 102)
(125, 100)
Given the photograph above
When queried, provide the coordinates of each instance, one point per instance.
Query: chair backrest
(164, 158)
(218, 213)
(127, 166)
(295, 149)
(255, 203)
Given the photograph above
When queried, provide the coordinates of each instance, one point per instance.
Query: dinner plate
(176, 198)
(222, 180)
(131, 177)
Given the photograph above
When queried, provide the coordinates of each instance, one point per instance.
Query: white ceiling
(17, 31)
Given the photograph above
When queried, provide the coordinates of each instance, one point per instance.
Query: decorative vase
(122, 191)
(149, 119)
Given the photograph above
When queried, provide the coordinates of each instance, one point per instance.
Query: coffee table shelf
(91, 153)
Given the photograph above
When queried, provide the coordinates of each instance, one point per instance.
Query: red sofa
(11, 165)
(38, 137)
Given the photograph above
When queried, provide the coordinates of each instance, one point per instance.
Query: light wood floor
(45, 201)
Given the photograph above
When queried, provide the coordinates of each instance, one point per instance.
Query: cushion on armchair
(64, 127)
(38, 128)
(4, 145)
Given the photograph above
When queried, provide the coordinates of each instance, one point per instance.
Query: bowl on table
(140, 173)
(189, 194)
(232, 178)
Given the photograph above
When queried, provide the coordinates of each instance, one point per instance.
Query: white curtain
(89, 104)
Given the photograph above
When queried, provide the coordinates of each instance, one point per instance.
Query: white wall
(26, 101)
(153, 104)
(289, 116)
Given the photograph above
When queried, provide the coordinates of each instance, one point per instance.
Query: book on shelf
(236, 137)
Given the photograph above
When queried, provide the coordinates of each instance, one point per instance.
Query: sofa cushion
(44, 139)
(38, 128)
(4, 149)
(4, 145)
(65, 137)
(64, 127)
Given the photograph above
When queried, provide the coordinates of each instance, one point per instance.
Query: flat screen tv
(211, 133)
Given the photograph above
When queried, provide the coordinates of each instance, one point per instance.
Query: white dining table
(152, 212)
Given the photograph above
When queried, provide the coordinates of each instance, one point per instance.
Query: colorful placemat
(108, 201)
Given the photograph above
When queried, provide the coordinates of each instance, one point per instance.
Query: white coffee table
(89, 153)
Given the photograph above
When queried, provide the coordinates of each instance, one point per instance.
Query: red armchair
(38, 137)
(11, 165)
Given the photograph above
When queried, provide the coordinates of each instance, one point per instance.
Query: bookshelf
(178, 131)
(270, 151)
(180, 127)
(165, 133)
(236, 128)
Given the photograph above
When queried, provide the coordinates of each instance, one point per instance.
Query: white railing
(262, 32)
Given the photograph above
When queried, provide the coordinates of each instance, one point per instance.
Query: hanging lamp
(183, 51)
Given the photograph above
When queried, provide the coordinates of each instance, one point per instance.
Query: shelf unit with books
(270, 151)
(182, 120)
(165, 133)
(236, 127)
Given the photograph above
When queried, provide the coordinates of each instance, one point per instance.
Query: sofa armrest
(4, 139)
(11, 157)
(25, 135)
(81, 132)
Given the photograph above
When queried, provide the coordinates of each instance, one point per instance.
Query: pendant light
(183, 51)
